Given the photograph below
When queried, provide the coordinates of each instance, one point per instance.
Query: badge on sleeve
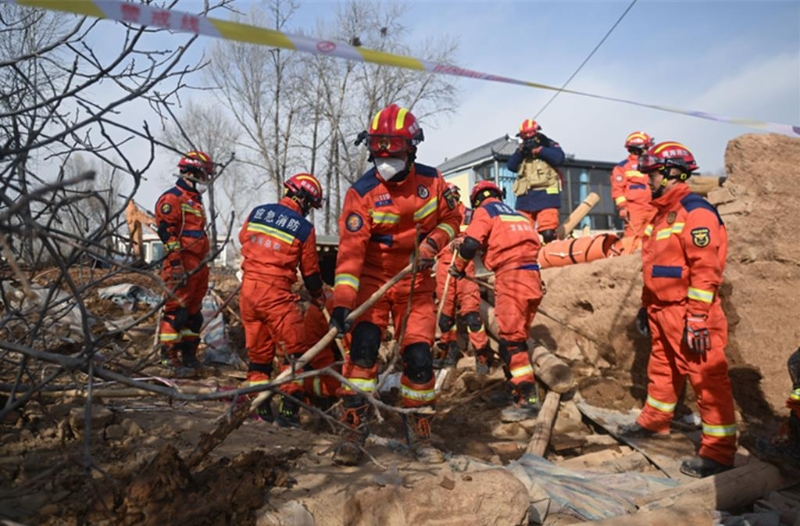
(701, 237)
(354, 222)
(166, 208)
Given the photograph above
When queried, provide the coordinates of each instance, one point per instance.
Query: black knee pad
(508, 349)
(473, 321)
(418, 363)
(548, 235)
(178, 318)
(365, 345)
(194, 322)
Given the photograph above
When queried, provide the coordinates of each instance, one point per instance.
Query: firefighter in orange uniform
(683, 258)
(181, 221)
(629, 188)
(275, 239)
(463, 296)
(538, 183)
(378, 231)
(511, 250)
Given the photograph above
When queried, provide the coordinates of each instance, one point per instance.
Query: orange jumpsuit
(683, 258)
(462, 294)
(377, 238)
(630, 190)
(511, 250)
(181, 221)
(275, 239)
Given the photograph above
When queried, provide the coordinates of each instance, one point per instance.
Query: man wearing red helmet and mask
(181, 221)
(276, 239)
(683, 258)
(630, 190)
(538, 184)
(511, 250)
(378, 229)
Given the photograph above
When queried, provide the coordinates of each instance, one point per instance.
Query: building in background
(579, 179)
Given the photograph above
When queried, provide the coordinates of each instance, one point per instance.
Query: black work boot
(264, 412)
(356, 413)
(288, 412)
(636, 430)
(700, 467)
(189, 357)
(450, 358)
(417, 428)
(526, 404)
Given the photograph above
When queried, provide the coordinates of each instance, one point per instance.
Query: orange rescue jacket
(181, 221)
(684, 251)
(628, 183)
(506, 236)
(275, 239)
(378, 224)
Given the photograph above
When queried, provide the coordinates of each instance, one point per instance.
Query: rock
(490, 497)
(100, 418)
(115, 432)
(131, 428)
(292, 513)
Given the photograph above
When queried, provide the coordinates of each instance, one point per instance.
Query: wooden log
(548, 367)
(577, 215)
(596, 458)
(704, 184)
(736, 487)
(544, 424)
(685, 516)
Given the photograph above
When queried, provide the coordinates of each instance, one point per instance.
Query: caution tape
(183, 22)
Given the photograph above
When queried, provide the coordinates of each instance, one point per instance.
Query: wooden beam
(544, 424)
(736, 487)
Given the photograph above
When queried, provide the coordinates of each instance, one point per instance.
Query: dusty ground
(132, 468)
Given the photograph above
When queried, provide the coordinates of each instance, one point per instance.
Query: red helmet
(306, 186)
(528, 129)
(639, 140)
(665, 155)
(197, 162)
(393, 130)
(482, 190)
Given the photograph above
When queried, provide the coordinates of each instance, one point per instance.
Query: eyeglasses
(389, 144)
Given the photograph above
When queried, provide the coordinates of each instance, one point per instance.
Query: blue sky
(736, 58)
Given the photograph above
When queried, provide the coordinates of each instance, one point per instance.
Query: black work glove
(696, 333)
(453, 271)
(446, 323)
(338, 317)
(642, 324)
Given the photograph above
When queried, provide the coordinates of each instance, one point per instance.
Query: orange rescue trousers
(518, 293)
(671, 362)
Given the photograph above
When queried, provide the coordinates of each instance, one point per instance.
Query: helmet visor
(384, 145)
(649, 163)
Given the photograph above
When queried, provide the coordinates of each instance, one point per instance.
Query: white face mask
(388, 167)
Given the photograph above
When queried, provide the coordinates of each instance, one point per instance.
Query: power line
(587, 59)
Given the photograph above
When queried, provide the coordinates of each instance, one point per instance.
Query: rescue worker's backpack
(534, 174)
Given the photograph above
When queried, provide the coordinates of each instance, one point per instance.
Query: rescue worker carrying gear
(462, 296)
(276, 239)
(378, 234)
(538, 184)
(683, 259)
(630, 191)
(181, 221)
(511, 250)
